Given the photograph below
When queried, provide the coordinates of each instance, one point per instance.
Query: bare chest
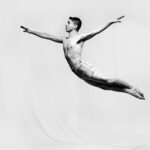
(72, 45)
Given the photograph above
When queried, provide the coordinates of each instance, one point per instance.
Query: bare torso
(72, 49)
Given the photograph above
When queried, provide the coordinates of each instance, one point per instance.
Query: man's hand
(118, 20)
(25, 29)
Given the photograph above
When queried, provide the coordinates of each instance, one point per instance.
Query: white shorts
(83, 69)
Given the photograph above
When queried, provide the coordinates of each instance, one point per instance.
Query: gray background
(43, 105)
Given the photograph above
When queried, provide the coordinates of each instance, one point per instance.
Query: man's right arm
(43, 35)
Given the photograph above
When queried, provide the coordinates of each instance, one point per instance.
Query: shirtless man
(72, 46)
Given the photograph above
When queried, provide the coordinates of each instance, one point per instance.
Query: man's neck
(73, 33)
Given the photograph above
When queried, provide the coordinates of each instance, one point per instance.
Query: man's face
(70, 26)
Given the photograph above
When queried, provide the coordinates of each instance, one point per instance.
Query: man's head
(73, 23)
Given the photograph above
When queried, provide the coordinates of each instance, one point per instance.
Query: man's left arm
(85, 37)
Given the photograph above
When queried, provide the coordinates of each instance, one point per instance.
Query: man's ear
(75, 26)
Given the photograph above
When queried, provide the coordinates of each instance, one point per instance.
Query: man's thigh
(98, 79)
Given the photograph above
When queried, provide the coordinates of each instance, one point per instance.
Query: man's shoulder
(65, 38)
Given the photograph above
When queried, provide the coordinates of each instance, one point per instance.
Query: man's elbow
(55, 39)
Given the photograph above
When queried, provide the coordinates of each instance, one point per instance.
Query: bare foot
(136, 93)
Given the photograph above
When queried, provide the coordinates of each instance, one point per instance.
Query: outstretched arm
(85, 37)
(43, 35)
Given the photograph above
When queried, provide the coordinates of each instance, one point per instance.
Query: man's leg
(101, 81)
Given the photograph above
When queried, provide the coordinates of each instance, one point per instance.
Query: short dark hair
(77, 22)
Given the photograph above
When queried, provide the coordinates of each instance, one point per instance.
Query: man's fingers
(119, 21)
(120, 17)
(23, 27)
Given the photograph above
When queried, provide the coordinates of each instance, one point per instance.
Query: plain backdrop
(44, 106)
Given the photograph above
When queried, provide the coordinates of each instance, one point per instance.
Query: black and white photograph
(74, 75)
